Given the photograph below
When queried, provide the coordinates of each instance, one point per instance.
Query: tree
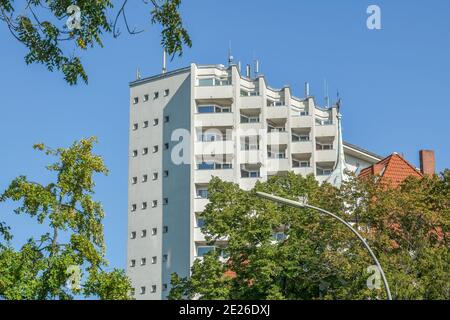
(43, 267)
(48, 28)
(278, 252)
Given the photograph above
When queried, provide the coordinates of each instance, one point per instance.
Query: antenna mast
(164, 68)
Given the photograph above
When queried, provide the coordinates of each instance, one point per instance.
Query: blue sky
(394, 83)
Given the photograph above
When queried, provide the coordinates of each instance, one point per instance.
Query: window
(154, 231)
(206, 82)
(135, 153)
(202, 193)
(145, 97)
(145, 124)
(155, 122)
(133, 208)
(144, 205)
(134, 180)
(201, 251)
(320, 146)
(324, 172)
(153, 288)
(133, 235)
(164, 287)
(279, 236)
(133, 291)
(165, 257)
(166, 119)
(144, 233)
(154, 260)
(155, 176)
(166, 146)
(142, 290)
(143, 261)
(135, 126)
(206, 109)
(132, 263)
(166, 173)
(155, 95)
(154, 203)
(144, 178)
(135, 100)
(155, 149)
(200, 222)
(144, 151)
(166, 92)
(300, 138)
(165, 229)
(166, 201)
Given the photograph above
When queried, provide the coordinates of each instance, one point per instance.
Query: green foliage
(319, 258)
(41, 26)
(39, 270)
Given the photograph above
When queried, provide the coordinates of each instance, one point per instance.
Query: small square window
(153, 260)
(155, 95)
(134, 180)
(155, 122)
(155, 149)
(133, 291)
(133, 235)
(135, 153)
(154, 231)
(133, 207)
(135, 126)
(154, 203)
(166, 146)
(166, 92)
(145, 151)
(145, 124)
(166, 201)
(166, 119)
(164, 287)
(132, 263)
(142, 290)
(144, 233)
(143, 261)
(165, 229)
(153, 288)
(165, 257)
(166, 173)
(145, 97)
(155, 175)
(135, 100)
(144, 178)
(144, 205)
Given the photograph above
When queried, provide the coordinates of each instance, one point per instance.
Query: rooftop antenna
(138, 74)
(307, 88)
(239, 66)
(247, 71)
(256, 68)
(164, 68)
(327, 98)
(230, 56)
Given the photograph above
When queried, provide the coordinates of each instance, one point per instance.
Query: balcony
(251, 102)
(277, 138)
(305, 171)
(200, 204)
(276, 165)
(198, 235)
(326, 155)
(214, 147)
(301, 121)
(301, 147)
(326, 130)
(248, 183)
(220, 119)
(281, 112)
(250, 156)
(204, 176)
(208, 93)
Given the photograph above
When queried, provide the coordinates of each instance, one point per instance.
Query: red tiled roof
(393, 170)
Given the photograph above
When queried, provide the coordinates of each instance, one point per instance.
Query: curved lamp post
(296, 204)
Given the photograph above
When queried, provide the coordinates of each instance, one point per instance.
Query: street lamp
(296, 204)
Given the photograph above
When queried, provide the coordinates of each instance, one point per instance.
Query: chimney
(427, 162)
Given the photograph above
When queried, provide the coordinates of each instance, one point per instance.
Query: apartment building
(191, 124)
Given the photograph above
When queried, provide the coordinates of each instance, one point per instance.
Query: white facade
(223, 124)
